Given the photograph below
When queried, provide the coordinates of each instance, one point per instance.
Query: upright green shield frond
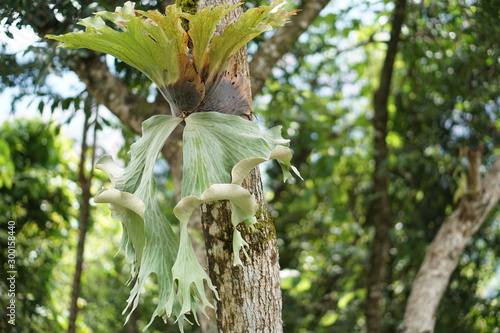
(202, 26)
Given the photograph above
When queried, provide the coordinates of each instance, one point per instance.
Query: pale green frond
(128, 209)
(214, 143)
(133, 202)
(202, 26)
(154, 44)
(252, 23)
(243, 208)
(138, 176)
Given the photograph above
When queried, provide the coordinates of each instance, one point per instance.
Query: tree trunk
(445, 250)
(379, 213)
(131, 325)
(85, 183)
(250, 295)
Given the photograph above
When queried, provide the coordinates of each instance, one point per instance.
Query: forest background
(393, 112)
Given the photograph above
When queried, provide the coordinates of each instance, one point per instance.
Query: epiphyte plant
(194, 70)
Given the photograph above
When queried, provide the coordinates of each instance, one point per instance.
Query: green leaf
(253, 22)
(148, 238)
(346, 299)
(214, 143)
(7, 168)
(143, 41)
(329, 318)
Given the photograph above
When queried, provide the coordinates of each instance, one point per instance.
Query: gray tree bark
(445, 250)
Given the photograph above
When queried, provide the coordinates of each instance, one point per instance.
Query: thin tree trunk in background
(131, 324)
(250, 295)
(379, 213)
(85, 184)
(443, 254)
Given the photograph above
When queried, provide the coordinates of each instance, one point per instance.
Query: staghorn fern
(195, 72)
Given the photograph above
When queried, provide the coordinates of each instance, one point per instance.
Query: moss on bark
(187, 6)
(263, 231)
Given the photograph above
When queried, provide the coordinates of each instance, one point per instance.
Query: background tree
(379, 212)
(85, 182)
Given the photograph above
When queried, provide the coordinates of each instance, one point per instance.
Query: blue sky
(109, 140)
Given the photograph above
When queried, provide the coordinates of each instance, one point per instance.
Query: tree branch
(445, 250)
(285, 37)
(109, 91)
(474, 173)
